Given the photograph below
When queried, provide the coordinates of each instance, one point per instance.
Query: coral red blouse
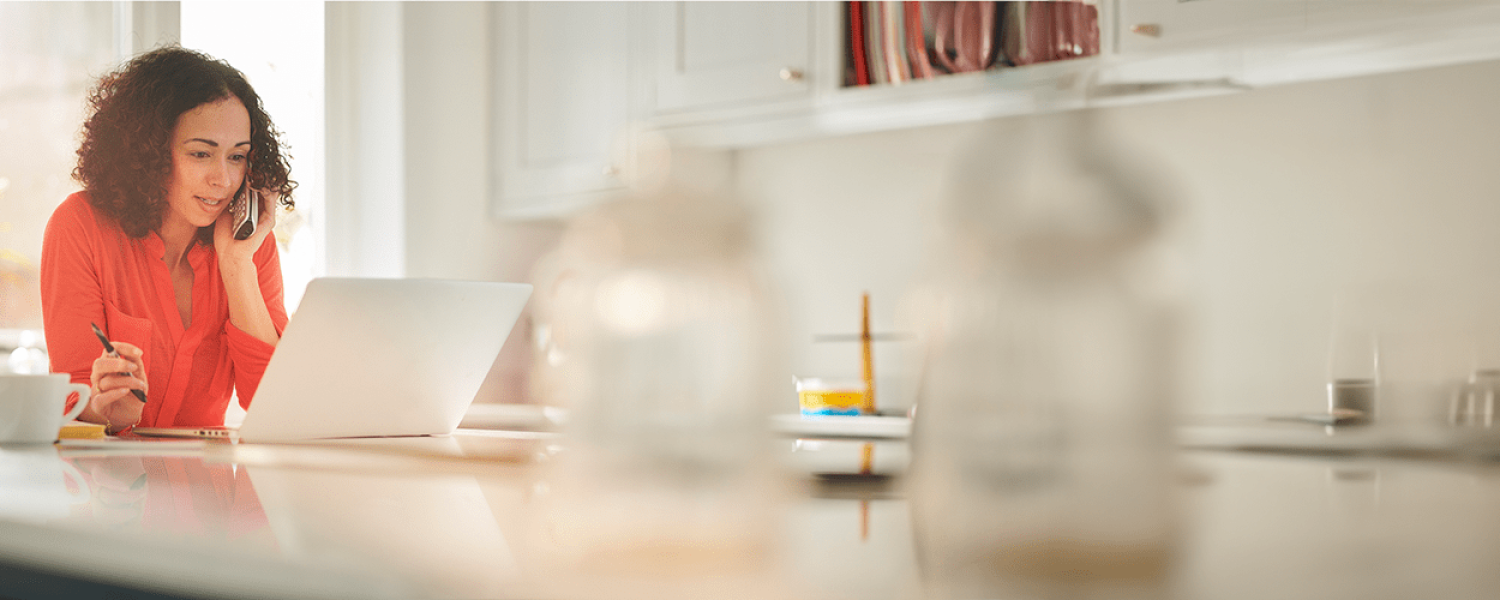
(92, 272)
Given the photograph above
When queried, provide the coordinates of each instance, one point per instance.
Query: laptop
(376, 358)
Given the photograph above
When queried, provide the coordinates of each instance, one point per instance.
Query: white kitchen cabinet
(563, 103)
(786, 82)
(1336, 15)
(573, 78)
(1257, 43)
(715, 56)
(1149, 26)
(1153, 50)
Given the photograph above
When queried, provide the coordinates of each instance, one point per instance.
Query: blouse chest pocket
(136, 331)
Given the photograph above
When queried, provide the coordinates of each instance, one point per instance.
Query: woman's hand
(247, 307)
(111, 401)
(233, 251)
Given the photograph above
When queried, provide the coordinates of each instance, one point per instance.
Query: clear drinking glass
(1353, 368)
(1474, 406)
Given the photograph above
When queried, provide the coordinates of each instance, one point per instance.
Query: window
(50, 54)
(279, 47)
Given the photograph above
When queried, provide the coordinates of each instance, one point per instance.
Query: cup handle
(83, 401)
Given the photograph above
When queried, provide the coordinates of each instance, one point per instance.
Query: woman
(146, 250)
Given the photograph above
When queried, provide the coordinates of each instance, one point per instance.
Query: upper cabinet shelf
(794, 79)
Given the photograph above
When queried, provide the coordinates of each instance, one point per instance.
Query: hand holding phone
(245, 210)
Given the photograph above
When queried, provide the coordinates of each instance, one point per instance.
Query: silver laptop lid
(382, 357)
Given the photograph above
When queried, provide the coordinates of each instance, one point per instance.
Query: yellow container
(822, 398)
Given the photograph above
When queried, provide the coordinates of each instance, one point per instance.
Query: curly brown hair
(125, 159)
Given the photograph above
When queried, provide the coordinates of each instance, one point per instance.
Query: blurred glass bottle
(29, 355)
(662, 345)
(1042, 448)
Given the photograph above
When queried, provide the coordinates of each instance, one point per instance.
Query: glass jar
(1042, 448)
(663, 347)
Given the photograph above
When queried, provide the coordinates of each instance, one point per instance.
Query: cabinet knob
(789, 74)
(1146, 29)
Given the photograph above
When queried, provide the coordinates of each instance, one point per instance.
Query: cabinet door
(1147, 25)
(563, 103)
(711, 55)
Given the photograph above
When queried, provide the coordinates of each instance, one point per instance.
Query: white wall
(1292, 197)
(449, 233)
(840, 217)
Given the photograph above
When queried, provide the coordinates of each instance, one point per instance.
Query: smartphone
(245, 210)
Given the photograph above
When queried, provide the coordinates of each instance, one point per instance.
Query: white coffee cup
(31, 406)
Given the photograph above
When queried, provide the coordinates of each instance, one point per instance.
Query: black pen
(110, 350)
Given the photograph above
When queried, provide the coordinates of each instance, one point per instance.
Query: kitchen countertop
(466, 516)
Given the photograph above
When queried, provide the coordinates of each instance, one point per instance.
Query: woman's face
(210, 156)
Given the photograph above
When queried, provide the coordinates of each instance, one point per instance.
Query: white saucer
(796, 425)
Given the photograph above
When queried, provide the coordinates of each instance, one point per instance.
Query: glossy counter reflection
(1269, 526)
(406, 512)
(466, 517)
(174, 497)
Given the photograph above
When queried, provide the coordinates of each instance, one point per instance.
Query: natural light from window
(279, 47)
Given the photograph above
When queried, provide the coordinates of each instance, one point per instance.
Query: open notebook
(376, 358)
